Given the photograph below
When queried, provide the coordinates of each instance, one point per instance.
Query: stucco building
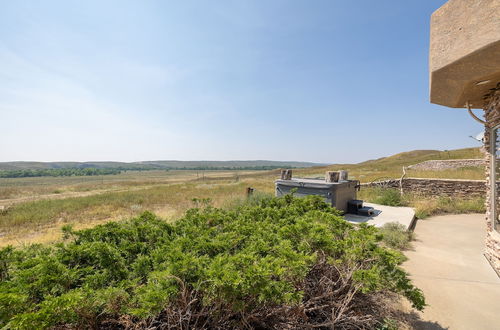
(465, 73)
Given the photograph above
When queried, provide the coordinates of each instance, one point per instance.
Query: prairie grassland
(468, 173)
(424, 206)
(40, 220)
(13, 190)
(392, 166)
(36, 208)
(373, 174)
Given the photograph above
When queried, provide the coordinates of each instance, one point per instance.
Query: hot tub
(336, 194)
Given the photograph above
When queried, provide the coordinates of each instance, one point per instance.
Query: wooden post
(332, 176)
(286, 174)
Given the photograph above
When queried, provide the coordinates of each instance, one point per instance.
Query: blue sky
(325, 81)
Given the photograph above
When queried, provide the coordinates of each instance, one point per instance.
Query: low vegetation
(58, 172)
(176, 197)
(396, 236)
(32, 209)
(424, 206)
(254, 199)
(392, 167)
(15, 188)
(228, 168)
(259, 262)
(158, 165)
(274, 263)
(390, 197)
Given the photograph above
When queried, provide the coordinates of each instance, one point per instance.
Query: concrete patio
(384, 214)
(447, 263)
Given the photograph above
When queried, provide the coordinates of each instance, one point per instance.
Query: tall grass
(252, 200)
(391, 167)
(178, 197)
(383, 196)
(424, 206)
(11, 188)
(396, 236)
(465, 173)
(86, 201)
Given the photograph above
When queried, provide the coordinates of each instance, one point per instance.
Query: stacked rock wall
(492, 116)
(438, 165)
(437, 187)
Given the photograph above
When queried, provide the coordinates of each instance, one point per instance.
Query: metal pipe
(473, 115)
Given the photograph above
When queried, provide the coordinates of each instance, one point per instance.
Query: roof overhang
(464, 59)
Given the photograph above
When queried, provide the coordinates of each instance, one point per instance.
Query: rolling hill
(160, 164)
(391, 166)
(384, 163)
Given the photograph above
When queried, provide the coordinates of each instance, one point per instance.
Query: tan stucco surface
(464, 50)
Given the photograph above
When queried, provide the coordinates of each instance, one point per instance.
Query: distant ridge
(401, 159)
(159, 164)
(410, 158)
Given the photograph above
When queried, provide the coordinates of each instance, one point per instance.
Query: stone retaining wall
(438, 165)
(492, 116)
(437, 187)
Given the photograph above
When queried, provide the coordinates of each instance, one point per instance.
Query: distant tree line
(229, 168)
(89, 171)
(58, 172)
(135, 168)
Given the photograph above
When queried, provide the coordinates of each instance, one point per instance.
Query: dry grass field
(35, 209)
(391, 167)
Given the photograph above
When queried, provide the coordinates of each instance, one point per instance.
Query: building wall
(492, 116)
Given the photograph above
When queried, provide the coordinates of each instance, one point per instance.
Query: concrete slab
(385, 214)
(447, 263)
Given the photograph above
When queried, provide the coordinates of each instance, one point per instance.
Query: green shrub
(254, 199)
(251, 266)
(396, 236)
(382, 196)
(390, 197)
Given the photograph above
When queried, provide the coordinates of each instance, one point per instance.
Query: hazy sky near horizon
(325, 81)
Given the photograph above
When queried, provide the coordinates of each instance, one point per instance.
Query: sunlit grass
(425, 206)
(86, 201)
(392, 167)
(11, 188)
